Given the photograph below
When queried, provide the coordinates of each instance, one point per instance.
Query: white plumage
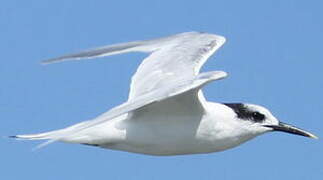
(166, 113)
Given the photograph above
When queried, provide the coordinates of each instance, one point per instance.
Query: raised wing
(172, 59)
(171, 90)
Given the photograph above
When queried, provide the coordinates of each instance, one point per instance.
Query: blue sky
(273, 55)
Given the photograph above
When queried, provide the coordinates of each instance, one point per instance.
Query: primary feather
(171, 69)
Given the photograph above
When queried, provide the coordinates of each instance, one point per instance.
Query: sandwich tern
(166, 112)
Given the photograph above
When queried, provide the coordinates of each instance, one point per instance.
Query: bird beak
(291, 129)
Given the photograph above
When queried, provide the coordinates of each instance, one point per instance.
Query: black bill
(291, 129)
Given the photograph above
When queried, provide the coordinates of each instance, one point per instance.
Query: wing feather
(171, 69)
(171, 58)
(155, 96)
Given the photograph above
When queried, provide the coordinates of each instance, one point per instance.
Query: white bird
(166, 113)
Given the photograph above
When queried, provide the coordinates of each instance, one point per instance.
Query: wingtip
(14, 137)
(49, 61)
(44, 63)
(313, 136)
(17, 137)
(56, 60)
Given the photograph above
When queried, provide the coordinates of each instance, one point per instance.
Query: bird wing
(170, 70)
(172, 59)
(168, 91)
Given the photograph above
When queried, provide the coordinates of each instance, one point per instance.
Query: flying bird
(166, 112)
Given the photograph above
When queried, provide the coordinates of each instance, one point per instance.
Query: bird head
(260, 120)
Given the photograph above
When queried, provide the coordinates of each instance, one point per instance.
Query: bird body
(180, 132)
(166, 113)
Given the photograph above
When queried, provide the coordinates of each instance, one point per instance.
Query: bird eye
(258, 116)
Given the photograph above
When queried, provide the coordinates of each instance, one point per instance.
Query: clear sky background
(273, 55)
